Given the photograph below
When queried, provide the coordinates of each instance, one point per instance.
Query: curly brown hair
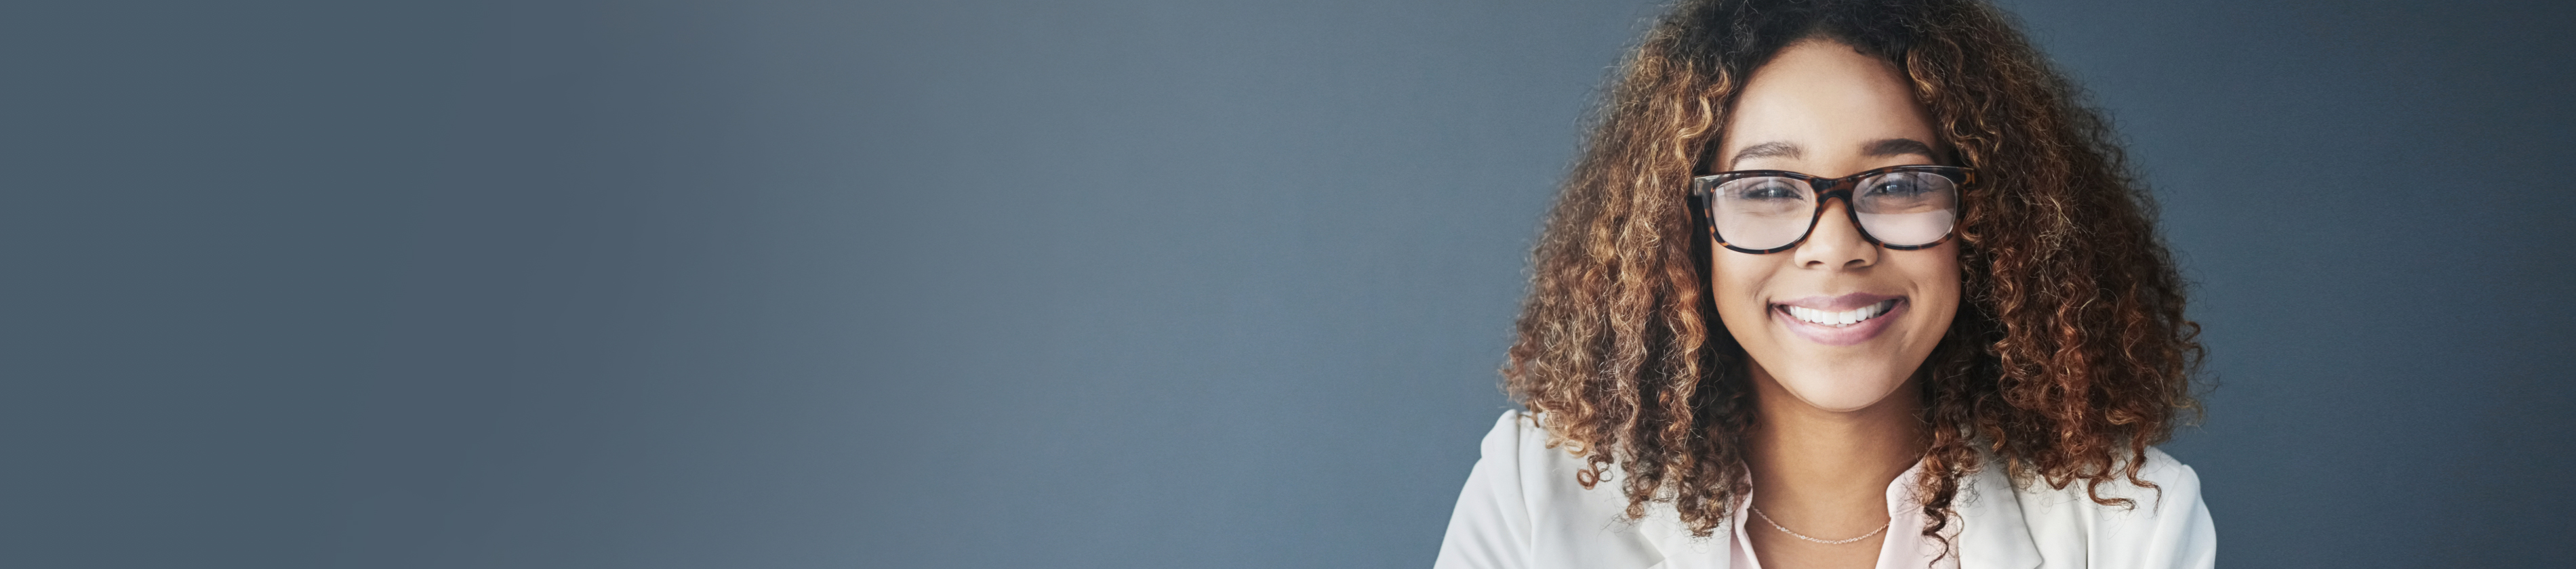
(2069, 355)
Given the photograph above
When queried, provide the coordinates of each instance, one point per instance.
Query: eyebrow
(1765, 150)
(1898, 147)
(1784, 149)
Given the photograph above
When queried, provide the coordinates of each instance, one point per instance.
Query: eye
(1763, 189)
(1899, 185)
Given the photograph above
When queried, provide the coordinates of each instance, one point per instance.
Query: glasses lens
(1907, 209)
(1761, 212)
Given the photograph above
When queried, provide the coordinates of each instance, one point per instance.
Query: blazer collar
(1992, 533)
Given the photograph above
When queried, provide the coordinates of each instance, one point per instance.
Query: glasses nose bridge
(1827, 189)
(1830, 188)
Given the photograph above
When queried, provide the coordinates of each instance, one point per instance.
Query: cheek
(1735, 285)
(1935, 272)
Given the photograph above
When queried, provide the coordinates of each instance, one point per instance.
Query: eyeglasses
(1769, 211)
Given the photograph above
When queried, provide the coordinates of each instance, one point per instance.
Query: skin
(1837, 423)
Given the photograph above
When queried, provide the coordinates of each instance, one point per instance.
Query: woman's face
(1823, 109)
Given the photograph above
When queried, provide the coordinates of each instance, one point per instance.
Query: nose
(1836, 244)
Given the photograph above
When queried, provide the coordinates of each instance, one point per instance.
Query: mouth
(1817, 319)
(1839, 319)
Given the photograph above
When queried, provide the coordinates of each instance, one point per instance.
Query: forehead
(1826, 99)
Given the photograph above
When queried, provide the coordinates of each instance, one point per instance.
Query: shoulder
(2163, 524)
(1523, 507)
(1546, 476)
(1521, 439)
(1514, 432)
(2168, 480)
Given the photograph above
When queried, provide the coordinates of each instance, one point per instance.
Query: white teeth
(1844, 318)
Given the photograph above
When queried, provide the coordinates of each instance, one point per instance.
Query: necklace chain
(1766, 518)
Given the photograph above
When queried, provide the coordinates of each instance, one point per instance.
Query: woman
(1843, 284)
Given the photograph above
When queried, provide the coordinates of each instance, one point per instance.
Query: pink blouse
(1904, 548)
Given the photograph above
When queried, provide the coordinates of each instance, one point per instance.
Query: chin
(1834, 391)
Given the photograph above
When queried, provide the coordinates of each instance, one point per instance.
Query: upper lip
(1851, 301)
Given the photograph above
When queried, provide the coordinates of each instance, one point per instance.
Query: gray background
(1120, 284)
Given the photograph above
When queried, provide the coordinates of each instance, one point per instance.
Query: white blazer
(1523, 510)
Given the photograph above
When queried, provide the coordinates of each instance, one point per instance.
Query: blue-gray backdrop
(1127, 283)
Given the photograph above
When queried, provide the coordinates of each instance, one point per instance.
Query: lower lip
(1839, 335)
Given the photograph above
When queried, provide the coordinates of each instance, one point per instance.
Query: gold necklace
(1766, 518)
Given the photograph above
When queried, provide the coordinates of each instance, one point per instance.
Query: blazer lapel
(1992, 533)
(1664, 530)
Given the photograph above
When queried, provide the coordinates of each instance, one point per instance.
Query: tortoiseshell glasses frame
(1934, 189)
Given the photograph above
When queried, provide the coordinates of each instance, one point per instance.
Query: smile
(1840, 319)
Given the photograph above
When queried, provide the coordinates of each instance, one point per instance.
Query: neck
(1830, 469)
